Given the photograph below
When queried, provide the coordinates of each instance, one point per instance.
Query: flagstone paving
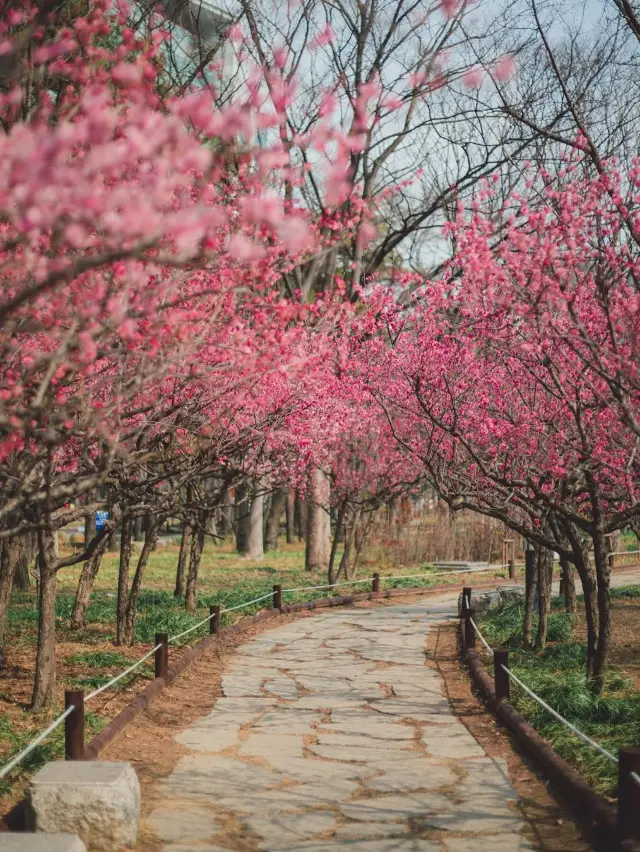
(333, 734)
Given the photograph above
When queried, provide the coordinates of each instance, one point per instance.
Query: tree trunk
(242, 519)
(138, 528)
(588, 579)
(337, 537)
(197, 545)
(290, 515)
(185, 542)
(9, 552)
(225, 514)
(44, 686)
(318, 547)
(529, 598)
(603, 575)
(299, 515)
(255, 549)
(545, 575)
(150, 539)
(277, 507)
(123, 579)
(85, 586)
(24, 556)
(570, 602)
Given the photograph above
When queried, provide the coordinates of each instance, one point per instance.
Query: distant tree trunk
(255, 549)
(197, 545)
(570, 603)
(529, 598)
(89, 528)
(299, 516)
(26, 547)
(339, 535)
(44, 686)
(85, 586)
(150, 538)
(225, 514)
(123, 579)
(277, 507)
(242, 519)
(545, 574)
(318, 548)
(185, 542)
(138, 528)
(290, 510)
(9, 551)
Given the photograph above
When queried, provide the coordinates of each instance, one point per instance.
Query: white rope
(121, 675)
(190, 629)
(481, 637)
(246, 603)
(34, 743)
(445, 573)
(624, 553)
(560, 718)
(330, 585)
(635, 778)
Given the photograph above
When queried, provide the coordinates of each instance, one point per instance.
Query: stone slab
(98, 801)
(27, 842)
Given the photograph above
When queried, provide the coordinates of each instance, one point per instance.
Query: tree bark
(44, 686)
(318, 546)
(255, 549)
(85, 586)
(197, 545)
(277, 507)
(24, 555)
(138, 528)
(588, 579)
(299, 515)
(150, 539)
(529, 598)
(185, 542)
(242, 519)
(603, 575)
(290, 515)
(123, 578)
(570, 602)
(545, 574)
(9, 552)
(339, 535)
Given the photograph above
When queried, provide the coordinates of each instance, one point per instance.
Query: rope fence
(160, 648)
(628, 761)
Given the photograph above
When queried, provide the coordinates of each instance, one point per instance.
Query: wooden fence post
(214, 619)
(512, 569)
(162, 655)
(375, 585)
(74, 725)
(501, 678)
(277, 597)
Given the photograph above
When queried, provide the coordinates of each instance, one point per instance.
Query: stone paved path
(333, 734)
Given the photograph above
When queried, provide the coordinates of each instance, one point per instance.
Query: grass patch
(558, 676)
(51, 749)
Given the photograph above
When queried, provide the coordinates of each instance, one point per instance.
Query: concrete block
(28, 842)
(98, 801)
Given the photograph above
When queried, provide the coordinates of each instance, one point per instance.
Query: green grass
(557, 675)
(51, 749)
